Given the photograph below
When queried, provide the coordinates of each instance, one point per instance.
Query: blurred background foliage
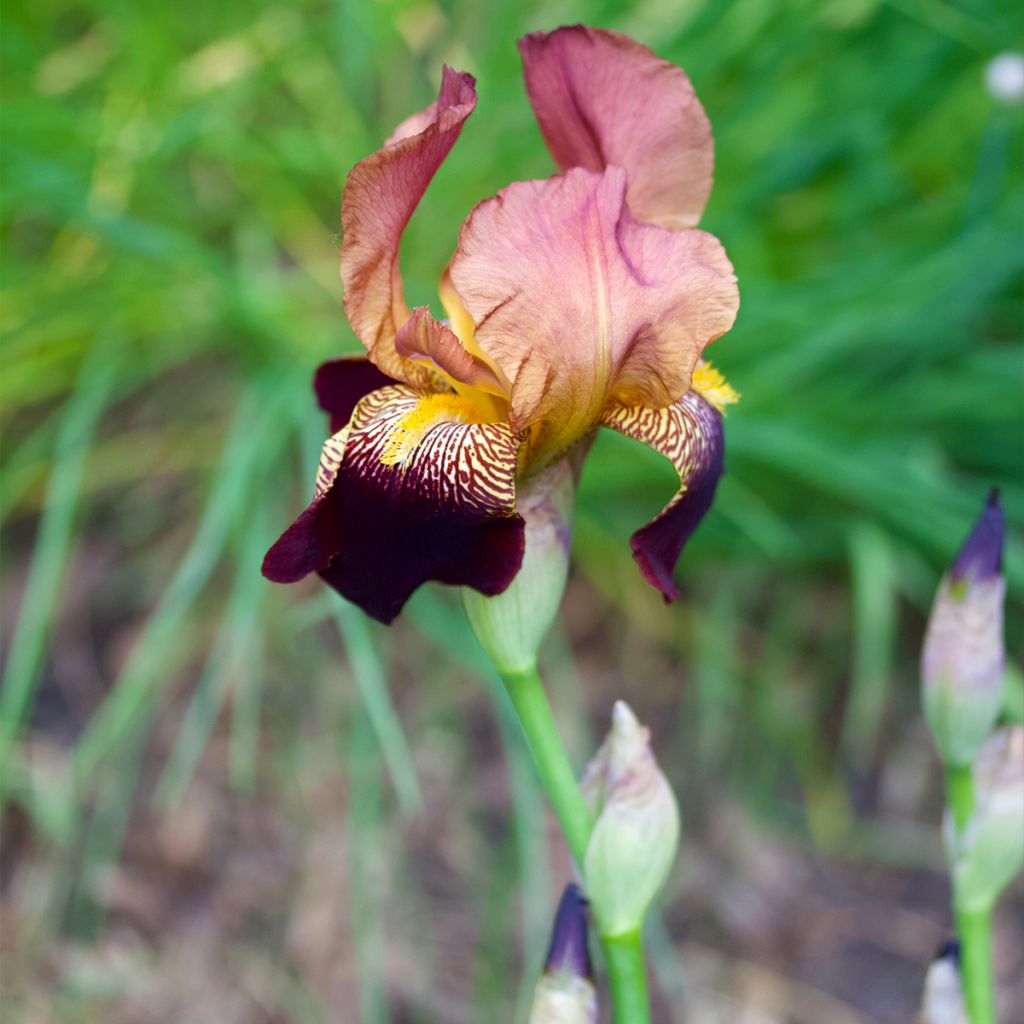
(227, 801)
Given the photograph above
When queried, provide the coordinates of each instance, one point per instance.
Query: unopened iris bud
(990, 850)
(512, 625)
(565, 993)
(963, 660)
(636, 826)
(943, 999)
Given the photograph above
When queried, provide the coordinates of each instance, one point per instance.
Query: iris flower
(581, 301)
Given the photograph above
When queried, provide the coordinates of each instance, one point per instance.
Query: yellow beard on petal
(713, 387)
(430, 411)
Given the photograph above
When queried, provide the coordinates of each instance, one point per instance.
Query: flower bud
(511, 626)
(990, 850)
(962, 662)
(565, 993)
(636, 829)
(943, 999)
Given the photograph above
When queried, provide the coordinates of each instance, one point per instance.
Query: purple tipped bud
(565, 993)
(981, 555)
(963, 659)
(569, 952)
(943, 1001)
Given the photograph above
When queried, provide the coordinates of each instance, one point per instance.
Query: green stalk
(960, 794)
(556, 774)
(974, 929)
(973, 926)
(623, 954)
(627, 977)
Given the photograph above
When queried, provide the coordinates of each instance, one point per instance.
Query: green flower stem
(557, 776)
(624, 954)
(960, 794)
(627, 977)
(973, 926)
(974, 929)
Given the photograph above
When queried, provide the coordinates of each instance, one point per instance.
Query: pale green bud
(943, 1001)
(990, 850)
(962, 661)
(636, 829)
(512, 625)
(565, 993)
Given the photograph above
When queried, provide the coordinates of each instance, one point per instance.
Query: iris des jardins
(580, 301)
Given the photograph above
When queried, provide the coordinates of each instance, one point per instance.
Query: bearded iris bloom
(581, 301)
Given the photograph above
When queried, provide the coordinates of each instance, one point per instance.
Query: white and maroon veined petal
(602, 100)
(689, 434)
(412, 490)
(381, 194)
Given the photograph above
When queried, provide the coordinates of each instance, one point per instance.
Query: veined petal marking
(689, 434)
(331, 455)
(444, 456)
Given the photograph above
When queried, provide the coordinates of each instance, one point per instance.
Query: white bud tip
(1004, 77)
(623, 719)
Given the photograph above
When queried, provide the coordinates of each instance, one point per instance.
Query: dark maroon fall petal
(308, 545)
(341, 383)
(377, 531)
(688, 433)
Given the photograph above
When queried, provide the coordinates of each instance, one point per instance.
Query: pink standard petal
(381, 194)
(582, 307)
(689, 434)
(602, 99)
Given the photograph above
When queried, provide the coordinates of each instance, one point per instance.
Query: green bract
(511, 626)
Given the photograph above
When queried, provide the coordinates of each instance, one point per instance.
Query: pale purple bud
(636, 827)
(963, 659)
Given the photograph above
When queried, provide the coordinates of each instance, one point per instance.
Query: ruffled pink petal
(689, 434)
(381, 194)
(341, 383)
(582, 307)
(424, 338)
(602, 99)
(375, 531)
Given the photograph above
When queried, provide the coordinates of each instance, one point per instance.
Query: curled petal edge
(381, 194)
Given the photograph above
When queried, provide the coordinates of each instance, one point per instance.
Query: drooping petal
(582, 307)
(340, 384)
(603, 99)
(437, 505)
(381, 194)
(689, 434)
(422, 337)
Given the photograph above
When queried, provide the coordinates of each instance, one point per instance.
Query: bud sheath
(636, 830)
(512, 625)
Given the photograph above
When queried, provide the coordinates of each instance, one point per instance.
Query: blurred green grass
(171, 184)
